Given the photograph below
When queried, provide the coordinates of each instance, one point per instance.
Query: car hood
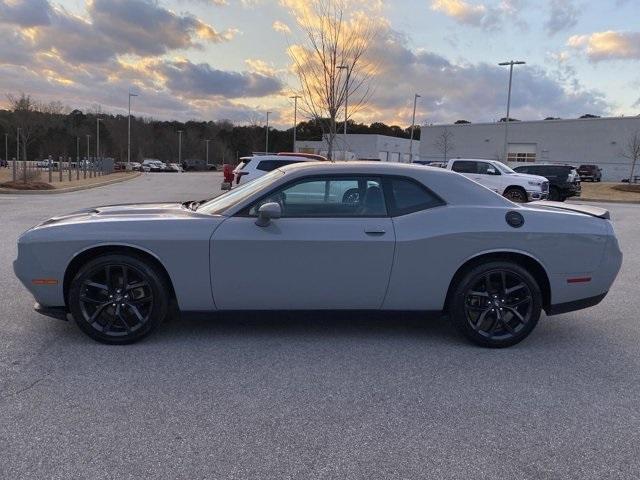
(528, 176)
(116, 212)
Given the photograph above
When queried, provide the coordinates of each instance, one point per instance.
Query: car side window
(465, 166)
(485, 168)
(329, 197)
(409, 197)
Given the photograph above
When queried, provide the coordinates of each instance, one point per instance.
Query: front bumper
(59, 313)
(537, 195)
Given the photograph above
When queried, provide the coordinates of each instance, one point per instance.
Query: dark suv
(590, 172)
(564, 181)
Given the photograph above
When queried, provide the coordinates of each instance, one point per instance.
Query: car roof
(365, 167)
(282, 157)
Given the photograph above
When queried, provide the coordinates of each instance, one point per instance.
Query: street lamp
(266, 150)
(413, 126)
(346, 105)
(77, 158)
(15, 171)
(84, 169)
(180, 147)
(511, 63)
(295, 119)
(97, 141)
(207, 155)
(129, 132)
(6, 148)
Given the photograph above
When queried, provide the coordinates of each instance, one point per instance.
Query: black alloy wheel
(497, 304)
(118, 299)
(516, 194)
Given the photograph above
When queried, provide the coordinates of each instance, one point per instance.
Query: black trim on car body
(566, 307)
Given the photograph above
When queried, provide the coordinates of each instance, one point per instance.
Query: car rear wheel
(496, 304)
(516, 194)
(118, 299)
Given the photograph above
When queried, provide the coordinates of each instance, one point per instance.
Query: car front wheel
(118, 299)
(516, 194)
(496, 304)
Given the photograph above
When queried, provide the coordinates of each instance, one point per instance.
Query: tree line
(53, 129)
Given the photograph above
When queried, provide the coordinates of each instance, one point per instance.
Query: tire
(554, 195)
(111, 314)
(488, 316)
(516, 194)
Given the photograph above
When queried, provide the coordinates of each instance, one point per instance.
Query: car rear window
(409, 197)
(269, 165)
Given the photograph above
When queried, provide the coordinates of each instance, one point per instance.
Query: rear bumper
(575, 305)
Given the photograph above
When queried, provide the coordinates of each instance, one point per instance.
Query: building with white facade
(599, 141)
(363, 147)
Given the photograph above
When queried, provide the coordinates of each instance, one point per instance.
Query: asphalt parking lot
(321, 396)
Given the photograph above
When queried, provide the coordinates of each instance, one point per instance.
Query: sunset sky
(217, 59)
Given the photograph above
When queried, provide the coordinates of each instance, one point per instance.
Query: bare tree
(632, 151)
(331, 64)
(444, 143)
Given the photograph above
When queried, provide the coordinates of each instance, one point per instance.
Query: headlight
(535, 184)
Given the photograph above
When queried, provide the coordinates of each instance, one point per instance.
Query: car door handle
(375, 230)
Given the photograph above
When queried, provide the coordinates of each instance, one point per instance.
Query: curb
(70, 189)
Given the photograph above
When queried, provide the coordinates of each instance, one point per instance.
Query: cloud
(281, 27)
(26, 13)
(609, 45)
(478, 14)
(453, 90)
(563, 14)
(201, 79)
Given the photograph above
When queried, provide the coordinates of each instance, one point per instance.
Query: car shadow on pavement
(325, 324)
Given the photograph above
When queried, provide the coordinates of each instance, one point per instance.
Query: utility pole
(295, 120)
(511, 63)
(6, 148)
(129, 132)
(207, 154)
(77, 158)
(413, 126)
(180, 147)
(266, 147)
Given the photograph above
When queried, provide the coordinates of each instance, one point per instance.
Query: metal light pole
(97, 143)
(295, 119)
(15, 167)
(511, 63)
(207, 154)
(77, 158)
(129, 132)
(346, 105)
(413, 126)
(6, 148)
(85, 165)
(180, 147)
(266, 145)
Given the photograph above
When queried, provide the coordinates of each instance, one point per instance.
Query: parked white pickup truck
(517, 187)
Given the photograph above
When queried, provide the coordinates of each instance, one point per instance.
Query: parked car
(119, 166)
(135, 166)
(517, 187)
(154, 165)
(564, 181)
(329, 236)
(593, 173)
(256, 166)
(173, 167)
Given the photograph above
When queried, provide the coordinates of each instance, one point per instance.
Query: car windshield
(233, 197)
(504, 169)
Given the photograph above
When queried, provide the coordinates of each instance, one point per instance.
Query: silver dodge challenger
(319, 236)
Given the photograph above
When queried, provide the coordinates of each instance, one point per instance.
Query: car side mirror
(268, 212)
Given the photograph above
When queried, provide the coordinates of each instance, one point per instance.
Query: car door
(488, 175)
(331, 249)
